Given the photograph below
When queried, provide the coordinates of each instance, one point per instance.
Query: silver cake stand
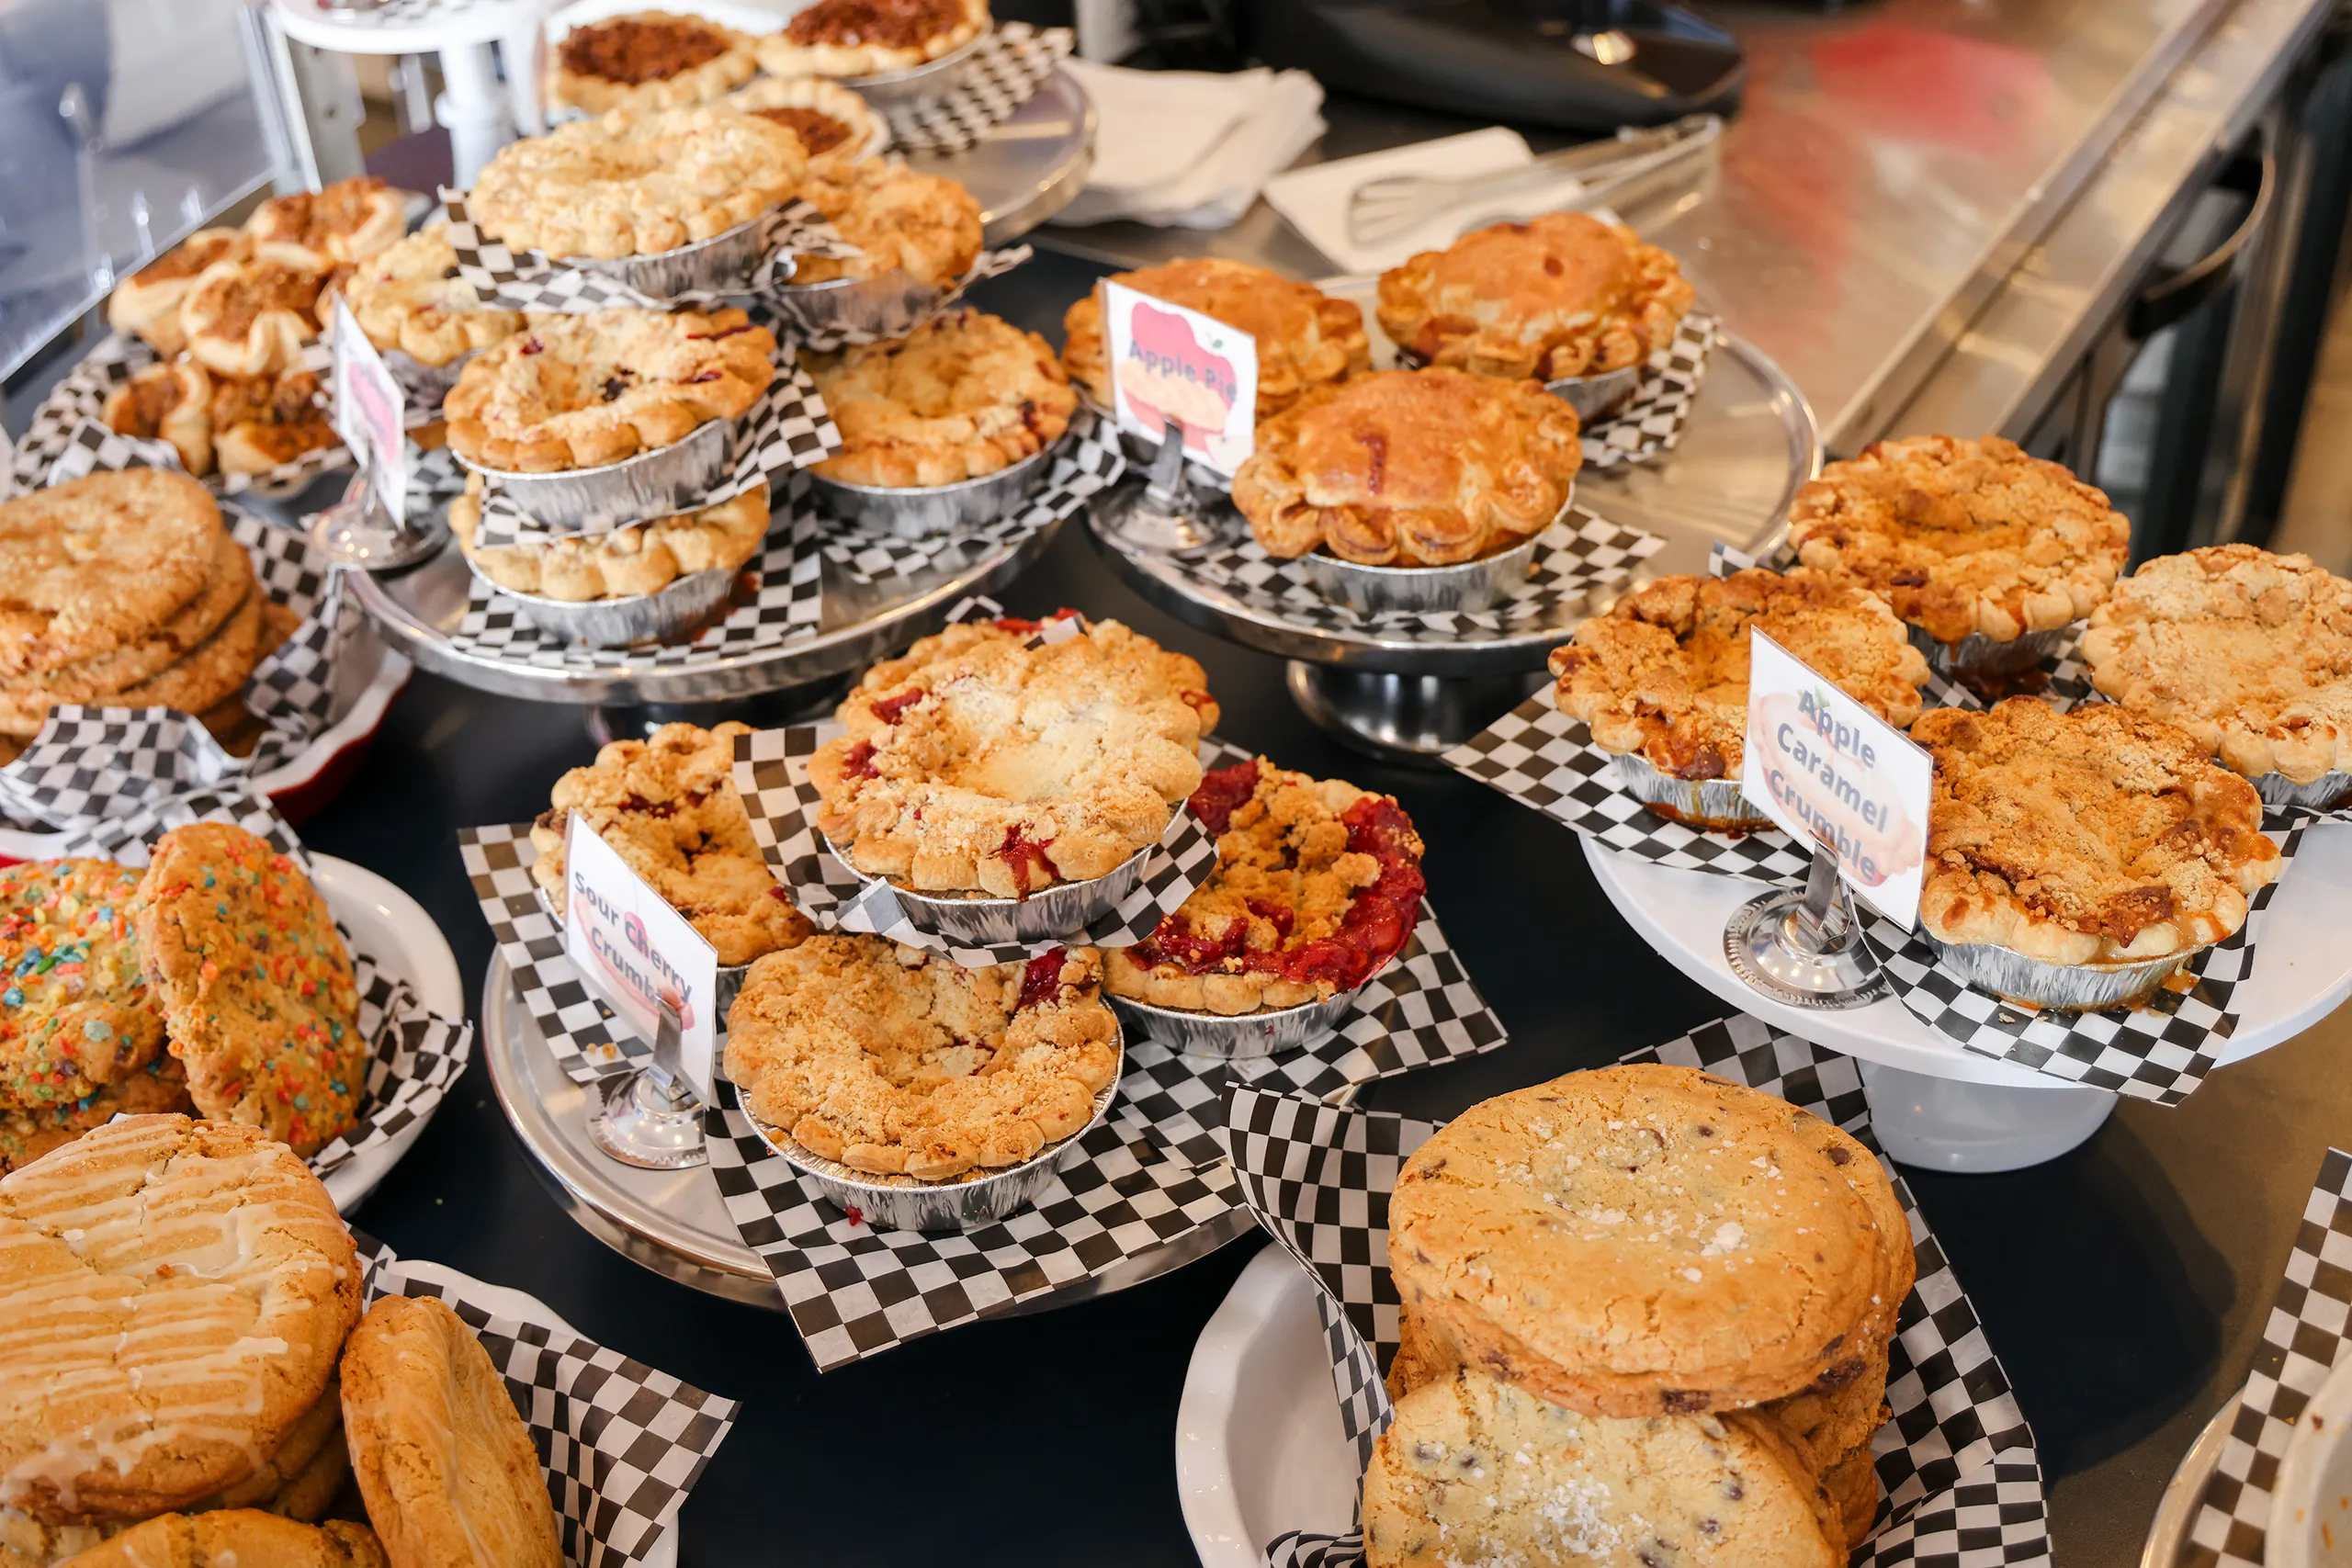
(1750, 443)
(1028, 167)
(674, 1221)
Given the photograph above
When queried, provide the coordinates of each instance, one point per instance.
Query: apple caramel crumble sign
(1171, 366)
(636, 951)
(1831, 773)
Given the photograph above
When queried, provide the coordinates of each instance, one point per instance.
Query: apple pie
(1305, 337)
(2250, 652)
(2101, 835)
(1410, 469)
(1561, 295)
(641, 558)
(865, 38)
(962, 395)
(411, 298)
(978, 763)
(926, 226)
(1318, 883)
(648, 59)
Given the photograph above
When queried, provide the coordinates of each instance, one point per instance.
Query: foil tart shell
(1717, 805)
(619, 622)
(1241, 1037)
(1977, 654)
(963, 1203)
(667, 480)
(1597, 398)
(920, 512)
(1058, 914)
(2062, 987)
(918, 84)
(878, 309)
(728, 986)
(2324, 793)
(1420, 589)
(721, 265)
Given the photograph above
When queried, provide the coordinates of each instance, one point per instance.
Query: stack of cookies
(204, 1389)
(126, 590)
(213, 980)
(1645, 1320)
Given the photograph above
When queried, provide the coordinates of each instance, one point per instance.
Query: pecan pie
(1562, 294)
(978, 763)
(1664, 674)
(667, 805)
(1410, 469)
(962, 395)
(410, 297)
(641, 558)
(636, 182)
(2100, 835)
(1963, 537)
(147, 303)
(1305, 337)
(2249, 651)
(318, 230)
(575, 391)
(899, 1063)
(835, 126)
(1318, 883)
(926, 226)
(648, 59)
(260, 422)
(864, 37)
(251, 317)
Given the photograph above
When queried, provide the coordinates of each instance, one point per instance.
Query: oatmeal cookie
(318, 231)
(444, 1462)
(75, 1012)
(896, 1062)
(1305, 338)
(835, 126)
(256, 987)
(251, 317)
(865, 38)
(636, 182)
(236, 1538)
(165, 1357)
(211, 672)
(578, 392)
(1664, 674)
(98, 562)
(147, 303)
(962, 395)
(667, 805)
(644, 558)
(976, 763)
(170, 401)
(411, 297)
(926, 226)
(1963, 537)
(648, 59)
(1318, 883)
(2099, 835)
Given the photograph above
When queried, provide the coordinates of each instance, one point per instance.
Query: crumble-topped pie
(2250, 652)
(926, 226)
(2100, 835)
(321, 230)
(1558, 295)
(1664, 674)
(963, 395)
(978, 763)
(896, 1062)
(147, 303)
(641, 558)
(251, 317)
(1305, 338)
(411, 297)
(1410, 469)
(1963, 537)
(865, 38)
(667, 805)
(1318, 883)
(835, 126)
(636, 182)
(648, 59)
(575, 391)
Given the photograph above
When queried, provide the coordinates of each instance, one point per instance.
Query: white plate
(393, 928)
(2302, 970)
(1259, 1445)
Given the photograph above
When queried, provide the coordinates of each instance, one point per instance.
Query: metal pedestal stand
(1805, 949)
(647, 1117)
(359, 531)
(1162, 515)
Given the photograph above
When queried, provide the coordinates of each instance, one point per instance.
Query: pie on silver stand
(647, 1116)
(1804, 948)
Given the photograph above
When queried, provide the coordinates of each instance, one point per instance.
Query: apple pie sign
(1172, 365)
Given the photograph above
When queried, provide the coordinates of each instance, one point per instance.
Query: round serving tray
(2168, 1536)
(674, 1222)
(1028, 167)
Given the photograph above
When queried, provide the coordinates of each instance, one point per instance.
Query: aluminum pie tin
(876, 309)
(730, 975)
(619, 622)
(1241, 1037)
(676, 478)
(918, 84)
(1057, 913)
(920, 512)
(1422, 590)
(962, 1202)
(1601, 397)
(2328, 791)
(2064, 987)
(1714, 804)
(721, 265)
(1977, 654)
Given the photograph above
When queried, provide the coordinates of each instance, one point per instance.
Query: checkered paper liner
(578, 1029)
(60, 425)
(2304, 1339)
(1653, 422)
(529, 280)
(801, 321)
(997, 78)
(1961, 1476)
(414, 1056)
(622, 1443)
(786, 429)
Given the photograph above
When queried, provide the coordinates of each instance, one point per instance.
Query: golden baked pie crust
(1304, 338)
(963, 396)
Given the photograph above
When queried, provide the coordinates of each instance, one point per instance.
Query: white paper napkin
(1189, 149)
(1315, 199)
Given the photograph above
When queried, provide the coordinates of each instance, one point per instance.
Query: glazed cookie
(1525, 1227)
(97, 562)
(178, 1293)
(442, 1460)
(298, 1478)
(235, 1537)
(256, 987)
(75, 1011)
(1475, 1471)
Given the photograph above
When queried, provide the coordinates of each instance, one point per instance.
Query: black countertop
(2123, 1286)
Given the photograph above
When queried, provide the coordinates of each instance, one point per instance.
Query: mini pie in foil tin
(933, 79)
(918, 512)
(2065, 987)
(872, 310)
(1241, 1037)
(676, 478)
(721, 265)
(962, 1202)
(689, 601)
(1420, 589)
(2322, 793)
(1714, 804)
(1056, 914)
(1977, 654)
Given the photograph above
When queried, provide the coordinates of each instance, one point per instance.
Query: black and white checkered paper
(997, 78)
(1653, 422)
(578, 1029)
(622, 1443)
(2302, 1340)
(1961, 1476)
(414, 1056)
(808, 320)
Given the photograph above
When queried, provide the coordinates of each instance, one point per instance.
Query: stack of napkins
(1189, 149)
(1316, 199)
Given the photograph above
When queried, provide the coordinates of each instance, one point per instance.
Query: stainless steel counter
(1891, 176)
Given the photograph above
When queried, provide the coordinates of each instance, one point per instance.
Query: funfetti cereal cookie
(75, 1012)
